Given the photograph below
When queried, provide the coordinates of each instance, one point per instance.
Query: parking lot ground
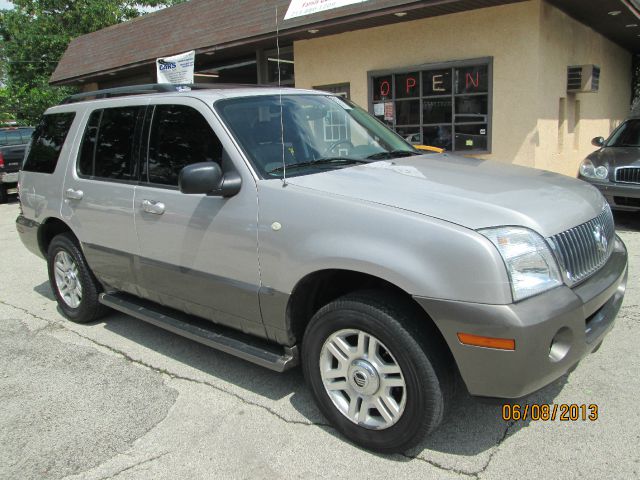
(120, 398)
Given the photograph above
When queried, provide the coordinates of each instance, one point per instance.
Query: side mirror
(204, 177)
(207, 178)
(598, 142)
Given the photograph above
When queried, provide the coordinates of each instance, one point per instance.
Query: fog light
(560, 344)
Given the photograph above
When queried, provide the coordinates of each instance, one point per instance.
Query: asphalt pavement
(123, 399)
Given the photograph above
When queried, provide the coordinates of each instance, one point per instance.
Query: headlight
(530, 264)
(587, 169)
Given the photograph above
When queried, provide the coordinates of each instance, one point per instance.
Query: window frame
(147, 129)
(31, 144)
(136, 146)
(473, 62)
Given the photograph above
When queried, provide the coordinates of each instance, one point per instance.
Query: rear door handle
(151, 206)
(72, 194)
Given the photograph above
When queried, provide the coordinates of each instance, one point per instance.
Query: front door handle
(72, 194)
(151, 206)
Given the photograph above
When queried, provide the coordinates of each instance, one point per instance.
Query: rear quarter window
(48, 139)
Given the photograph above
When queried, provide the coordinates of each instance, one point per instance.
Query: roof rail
(146, 89)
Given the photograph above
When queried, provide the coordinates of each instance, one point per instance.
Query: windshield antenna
(284, 165)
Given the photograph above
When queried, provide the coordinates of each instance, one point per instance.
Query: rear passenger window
(108, 144)
(48, 140)
(180, 136)
(88, 147)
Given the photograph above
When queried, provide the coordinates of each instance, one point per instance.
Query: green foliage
(35, 35)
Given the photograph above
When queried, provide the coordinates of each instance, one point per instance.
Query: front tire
(73, 284)
(377, 373)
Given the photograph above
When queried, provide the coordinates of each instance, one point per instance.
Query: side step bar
(224, 339)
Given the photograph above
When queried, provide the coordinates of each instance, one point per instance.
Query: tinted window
(114, 145)
(628, 135)
(180, 136)
(88, 148)
(48, 140)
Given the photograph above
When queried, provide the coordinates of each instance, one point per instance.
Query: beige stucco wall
(564, 41)
(531, 44)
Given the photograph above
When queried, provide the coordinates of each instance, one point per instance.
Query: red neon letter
(470, 80)
(385, 88)
(411, 82)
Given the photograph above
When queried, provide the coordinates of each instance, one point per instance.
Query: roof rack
(147, 89)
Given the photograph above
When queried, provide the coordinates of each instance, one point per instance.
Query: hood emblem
(601, 239)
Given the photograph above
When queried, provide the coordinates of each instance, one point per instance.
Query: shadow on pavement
(470, 427)
(627, 221)
(44, 289)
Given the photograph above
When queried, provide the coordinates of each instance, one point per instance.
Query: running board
(235, 343)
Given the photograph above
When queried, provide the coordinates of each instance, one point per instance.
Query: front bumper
(621, 196)
(553, 331)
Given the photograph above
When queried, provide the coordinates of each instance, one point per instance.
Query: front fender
(422, 255)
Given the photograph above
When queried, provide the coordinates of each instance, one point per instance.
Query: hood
(466, 191)
(616, 157)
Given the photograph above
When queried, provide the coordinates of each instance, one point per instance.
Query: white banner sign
(176, 69)
(299, 8)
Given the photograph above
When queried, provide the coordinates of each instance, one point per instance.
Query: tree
(35, 35)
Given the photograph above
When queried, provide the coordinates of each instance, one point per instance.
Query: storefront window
(446, 106)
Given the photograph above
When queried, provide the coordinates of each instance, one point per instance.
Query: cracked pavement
(123, 399)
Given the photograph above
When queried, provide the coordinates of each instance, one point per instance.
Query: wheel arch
(48, 229)
(321, 287)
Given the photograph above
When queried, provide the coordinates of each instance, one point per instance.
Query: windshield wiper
(392, 154)
(321, 161)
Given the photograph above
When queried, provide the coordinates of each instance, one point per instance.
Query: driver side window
(180, 136)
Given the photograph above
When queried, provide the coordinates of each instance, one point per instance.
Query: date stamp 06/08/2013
(564, 412)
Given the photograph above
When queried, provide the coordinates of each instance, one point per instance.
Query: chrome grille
(628, 174)
(582, 250)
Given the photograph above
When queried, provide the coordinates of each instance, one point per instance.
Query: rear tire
(386, 399)
(75, 287)
(4, 196)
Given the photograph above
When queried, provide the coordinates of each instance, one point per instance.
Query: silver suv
(288, 226)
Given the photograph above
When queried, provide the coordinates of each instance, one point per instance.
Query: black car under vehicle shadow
(627, 221)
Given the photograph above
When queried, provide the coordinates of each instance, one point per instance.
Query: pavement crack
(496, 448)
(440, 466)
(173, 376)
(475, 474)
(135, 465)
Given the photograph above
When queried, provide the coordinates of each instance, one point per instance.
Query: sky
(4, 4)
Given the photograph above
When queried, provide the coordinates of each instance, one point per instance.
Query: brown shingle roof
(202, 24)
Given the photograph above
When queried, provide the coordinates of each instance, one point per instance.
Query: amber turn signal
(487, 342)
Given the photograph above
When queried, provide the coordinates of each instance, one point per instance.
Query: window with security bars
(445, 105)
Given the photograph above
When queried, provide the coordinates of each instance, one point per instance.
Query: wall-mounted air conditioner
(583, 78)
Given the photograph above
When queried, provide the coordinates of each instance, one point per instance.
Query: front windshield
(627, 135)
(318, 132)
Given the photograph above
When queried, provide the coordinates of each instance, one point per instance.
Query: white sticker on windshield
(401, 169)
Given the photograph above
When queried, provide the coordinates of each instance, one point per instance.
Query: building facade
(488, 79)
